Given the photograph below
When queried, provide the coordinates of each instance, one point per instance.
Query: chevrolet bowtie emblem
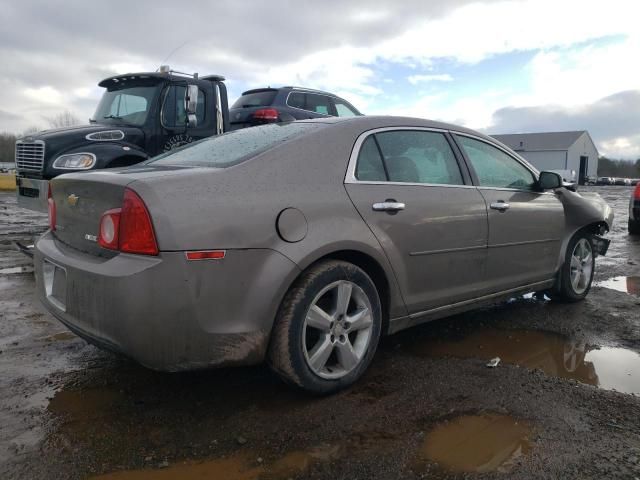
(73, 199)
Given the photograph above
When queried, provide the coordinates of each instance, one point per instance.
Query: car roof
(370, 122)
(290, 88)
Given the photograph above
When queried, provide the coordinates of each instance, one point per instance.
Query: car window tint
(369, 166)
(317, 103)
(419, 157)
(296, 100)
(234, 147)
(256, 99)
(495, 168)
(174, 113)
(344, 110)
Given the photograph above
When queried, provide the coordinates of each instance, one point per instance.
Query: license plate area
(55, 284)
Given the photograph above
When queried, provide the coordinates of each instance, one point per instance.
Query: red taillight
(108, 236)
(51, 207)
(266, 114)
(128, 229)
(636, 192)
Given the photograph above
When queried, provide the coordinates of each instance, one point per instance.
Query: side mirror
(550, 180)
(191, 104)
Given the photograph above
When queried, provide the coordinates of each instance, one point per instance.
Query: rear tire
(327, 329)
(578, 268)
(634, 227)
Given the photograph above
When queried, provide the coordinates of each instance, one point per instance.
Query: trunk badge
(73, 199)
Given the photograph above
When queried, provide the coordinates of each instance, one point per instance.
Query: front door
(526, 225)
(173, 117)
(431, 223)
(582, 173)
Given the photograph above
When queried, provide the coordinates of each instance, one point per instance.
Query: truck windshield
(127, 105)
(234, 147)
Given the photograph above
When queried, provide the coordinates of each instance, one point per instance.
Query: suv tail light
(51, 207)
(636, 192)
(128, 229)
(266, 114)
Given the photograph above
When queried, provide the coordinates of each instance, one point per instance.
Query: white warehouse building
(572, 154)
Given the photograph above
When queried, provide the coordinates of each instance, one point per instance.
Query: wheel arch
(371, 266)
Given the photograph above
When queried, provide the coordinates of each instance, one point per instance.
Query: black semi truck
(139, 116)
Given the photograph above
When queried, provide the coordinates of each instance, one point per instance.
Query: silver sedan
(302, 243)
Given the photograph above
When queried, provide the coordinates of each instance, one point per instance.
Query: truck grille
(30, 155)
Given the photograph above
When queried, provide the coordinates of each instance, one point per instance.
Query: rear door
(526, 225)
(409, 187)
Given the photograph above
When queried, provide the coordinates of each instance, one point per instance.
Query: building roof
(531, 142)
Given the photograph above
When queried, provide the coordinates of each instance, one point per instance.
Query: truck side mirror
(191, 104)
(549, 180)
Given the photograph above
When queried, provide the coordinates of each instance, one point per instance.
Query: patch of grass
(7, 182)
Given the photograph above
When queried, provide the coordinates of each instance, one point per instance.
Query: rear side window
(318, 103)
(415, 156)
(232, 148)
(256, 99)
(369, 167)
(495, 168)
(296, 100)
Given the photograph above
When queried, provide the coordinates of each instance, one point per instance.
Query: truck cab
(140, 115)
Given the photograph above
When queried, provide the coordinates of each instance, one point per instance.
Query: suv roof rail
(306, 89)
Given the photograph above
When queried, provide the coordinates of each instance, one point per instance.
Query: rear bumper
(165, 312)
(32, 193)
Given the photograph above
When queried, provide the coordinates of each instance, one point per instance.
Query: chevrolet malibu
(302, 243)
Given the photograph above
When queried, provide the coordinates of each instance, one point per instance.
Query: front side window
(495, 168)
(127, 105)
(413, 156)
(344, 110)
(174, 113)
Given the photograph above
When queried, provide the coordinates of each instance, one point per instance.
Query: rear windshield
(234, 147)
(256, 99)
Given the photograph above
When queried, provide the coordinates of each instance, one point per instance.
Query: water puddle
(15, 270)
(605, 367)
(477, 443)
(240, 466)
(79, 404)
(630, 285)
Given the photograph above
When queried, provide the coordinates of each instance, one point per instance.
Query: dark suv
(285, 104)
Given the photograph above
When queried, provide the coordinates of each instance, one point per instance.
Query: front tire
(577, 271)
(327, 329)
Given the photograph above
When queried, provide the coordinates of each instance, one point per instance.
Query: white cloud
(443, 77)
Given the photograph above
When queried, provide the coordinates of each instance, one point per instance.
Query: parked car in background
(634, 211)
(302, 243)
(285, 104)
(605, 181)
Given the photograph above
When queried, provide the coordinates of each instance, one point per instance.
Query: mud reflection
(477, 443)
(630, 285)
(606, 367)
(241, 466)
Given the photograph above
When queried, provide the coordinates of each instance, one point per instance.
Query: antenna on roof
(171, 53)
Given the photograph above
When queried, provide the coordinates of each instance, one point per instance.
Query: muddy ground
(561, 404)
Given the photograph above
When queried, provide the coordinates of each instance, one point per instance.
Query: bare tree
(7, 146)
(64, 119)
(29, 131)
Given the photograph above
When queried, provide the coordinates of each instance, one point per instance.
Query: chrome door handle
(388, 206)
(500, 206)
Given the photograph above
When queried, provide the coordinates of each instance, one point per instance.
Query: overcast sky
(500, 66)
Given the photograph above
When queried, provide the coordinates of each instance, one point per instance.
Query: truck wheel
(634, 227)
(578, 268)
(327, 329)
